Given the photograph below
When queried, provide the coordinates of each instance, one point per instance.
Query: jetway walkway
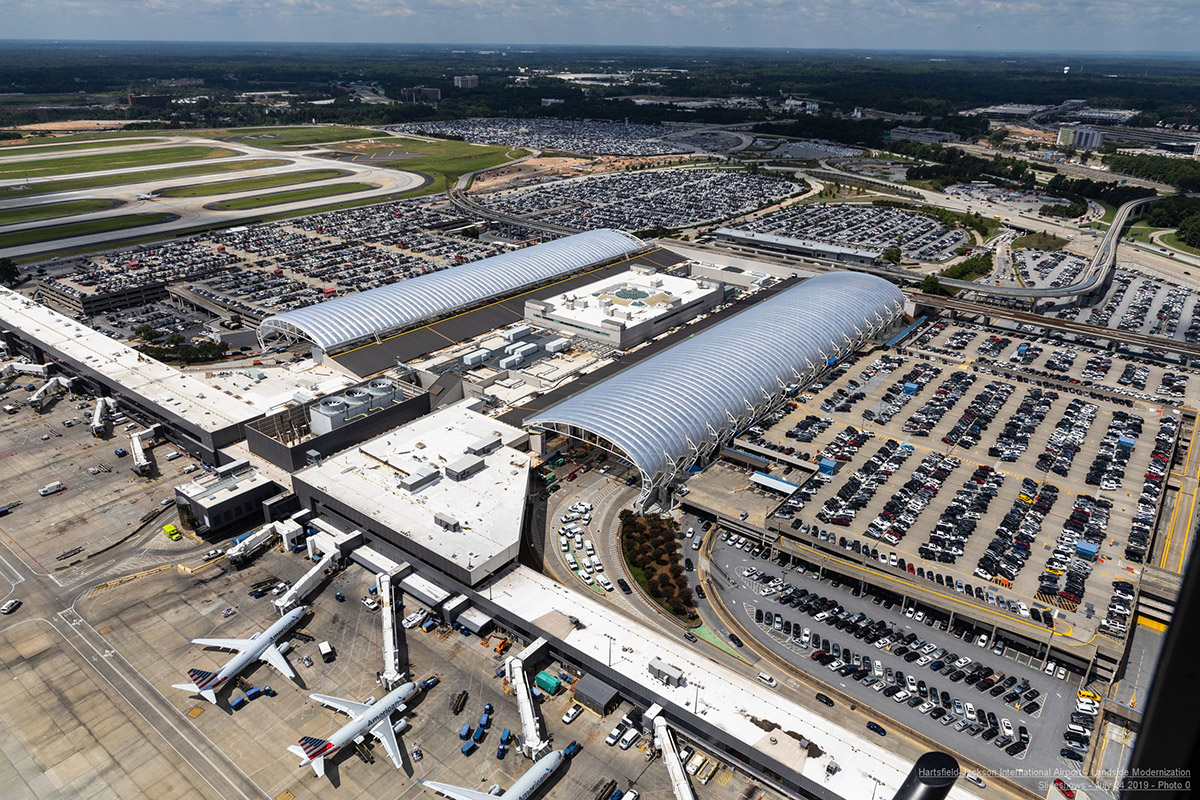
(291, 598)
(390, 675)
(664, 740)
(105, 407)
(141, 459)
(41, 395)
(535, 745)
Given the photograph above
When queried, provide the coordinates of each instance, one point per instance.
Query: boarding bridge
(10, 371)
(243, 550)
(391, 675)
(141, 459)
(664, 740)
(291, 598)
(104, 407)
(534, 745)
(43, 394)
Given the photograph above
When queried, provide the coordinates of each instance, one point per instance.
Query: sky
(1006, 25)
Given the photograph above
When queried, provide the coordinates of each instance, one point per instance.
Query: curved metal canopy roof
(344, 320)
(668, 409)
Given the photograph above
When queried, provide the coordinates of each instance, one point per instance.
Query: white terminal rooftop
(200, 403)
(625, 308)
(632, 297)
(452, 482)
(742, 707)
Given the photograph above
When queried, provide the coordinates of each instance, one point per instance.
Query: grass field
(1172, 241)
(13, 216)
(72, 229)
(443, 161)
(295, 195)
(247, 184)
(69, 165)
(14, 151)
(97, 181)
(1040, 241)
(272, 138)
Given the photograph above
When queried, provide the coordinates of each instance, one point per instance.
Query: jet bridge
(664, 740)
(104, 407)
(43, 394)
(534, 745)
(391, 675)
(137, 446)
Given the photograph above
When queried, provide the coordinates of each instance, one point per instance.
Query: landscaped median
(650, 546)
(20, 214)
(144, 176)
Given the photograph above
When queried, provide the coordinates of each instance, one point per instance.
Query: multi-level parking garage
(675, 409)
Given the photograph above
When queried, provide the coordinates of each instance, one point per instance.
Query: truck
(51, 488)
(705, 773)
(414, 619)
(326, 651)
(695, 764)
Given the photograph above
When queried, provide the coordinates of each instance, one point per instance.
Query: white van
(767, 679)
(597, 564)
(174, 454)
(604, 582)
(51, 488)
(630, 736)
(574, 565)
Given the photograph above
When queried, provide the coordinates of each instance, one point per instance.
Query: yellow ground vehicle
(172, 532)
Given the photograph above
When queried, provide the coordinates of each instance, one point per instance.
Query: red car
(1067, 791)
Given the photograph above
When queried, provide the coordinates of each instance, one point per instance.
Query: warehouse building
(625, 310)
(677, 408)
(369, 316)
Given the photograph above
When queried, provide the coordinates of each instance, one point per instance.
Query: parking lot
(1145, 303)
(273, 267)
(990, 483)
(918, 236)
(594, 137)
(936, 703)
(664, 198)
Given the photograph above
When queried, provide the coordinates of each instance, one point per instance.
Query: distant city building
(804, 106)
(466, 81)
(421, 94)
(1081, 137)
(149, 100)
(552, 101)
(923, 135)
(1008, 111)
(1104, 116)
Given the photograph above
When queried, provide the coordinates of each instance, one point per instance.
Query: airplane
(143, 197)
(524, 787)
(373, 718)
(259, 647)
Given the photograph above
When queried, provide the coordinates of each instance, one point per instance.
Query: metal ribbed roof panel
(671, 406)
(344, 320)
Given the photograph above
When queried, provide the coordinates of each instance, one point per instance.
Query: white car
(1049, 668)
(10, 606)
(1007, 727)
(982, 640)
(572, 714)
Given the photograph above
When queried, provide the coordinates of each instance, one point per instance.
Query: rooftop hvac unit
(357, 402)
(327, 415)
(381, 391)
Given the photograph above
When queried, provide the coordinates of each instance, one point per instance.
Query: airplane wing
(275, 658)
(348, 707)
(457, 792)
(386, 735)
(225, 644)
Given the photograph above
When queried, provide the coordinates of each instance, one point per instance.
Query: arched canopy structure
(337, 323)
(679, 405)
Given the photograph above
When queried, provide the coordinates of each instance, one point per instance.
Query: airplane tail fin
(314, 750)
(203, 684)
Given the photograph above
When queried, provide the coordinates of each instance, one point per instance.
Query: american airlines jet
(375, 718)
(523, 789)
(259, 647)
